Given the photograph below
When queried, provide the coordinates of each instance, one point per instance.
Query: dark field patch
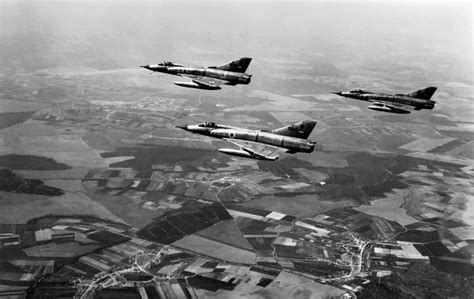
(27, 162)
(387, 186)
(9, 182)
(264, 282)
(420, 280)
(210, 284)
(179, 224)
(374, 175)
(109, 238)
(124, 293)
(137, 276)
(456, 267)
(55, 291)
(262, 245)
(251, 227)
(418, 236)
(146, 156)
(345, 191)
(151, 292)
(288, 252)
(340, 179)
(446, 147)
(422, 249)
(437, 248)
(8, 119)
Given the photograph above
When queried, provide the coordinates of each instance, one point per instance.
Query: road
(136, 267)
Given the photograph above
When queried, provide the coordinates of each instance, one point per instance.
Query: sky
(123, 33)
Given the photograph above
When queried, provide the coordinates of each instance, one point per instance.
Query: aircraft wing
(260, 150)
(205, 81)
(395, 107)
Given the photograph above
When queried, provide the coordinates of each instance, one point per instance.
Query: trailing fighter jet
(256, 144)
(211, 77)
(396, 103)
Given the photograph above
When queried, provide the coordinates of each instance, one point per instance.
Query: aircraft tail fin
(424, 94)
(239, 66)
(300, 129)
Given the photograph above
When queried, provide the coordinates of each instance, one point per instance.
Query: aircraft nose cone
(144, 66)
(182, 127)
(337, 92)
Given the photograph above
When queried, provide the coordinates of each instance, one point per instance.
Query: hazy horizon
(114, 35)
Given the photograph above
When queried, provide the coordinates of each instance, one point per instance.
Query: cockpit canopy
(208, 125)
(358, 91)
(166, 63)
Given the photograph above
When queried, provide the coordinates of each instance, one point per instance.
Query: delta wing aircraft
(260, 144)
(395, 103)
(211, 77)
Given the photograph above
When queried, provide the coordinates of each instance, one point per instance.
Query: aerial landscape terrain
(101, 196)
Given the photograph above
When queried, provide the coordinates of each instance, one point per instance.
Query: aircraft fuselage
(232, 77)
(394, 103)
(292, 144)
(399, 99)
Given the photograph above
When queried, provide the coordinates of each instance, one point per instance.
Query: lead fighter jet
(211, 77)
(256, 144)
(396, 103)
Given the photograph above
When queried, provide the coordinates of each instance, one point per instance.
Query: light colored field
(129, 209)
(286, 285)
(314, 176)
(299, 206)
(465, 150)
(217, 250)
(325, 159)
(463, 233)
(390, 207)
(425, 144)
(289, 117)
(459, 128)
(73, 173)
(66, 185)
(69, 249)
(319, 97)
(19, 208)
(226, 232)
(35, 138)
(19, 106)
(277, 103)
(443, 158)
(467, 216)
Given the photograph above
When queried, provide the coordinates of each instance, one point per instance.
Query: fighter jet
(259, 144)
(211, 77)
(396, 103)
